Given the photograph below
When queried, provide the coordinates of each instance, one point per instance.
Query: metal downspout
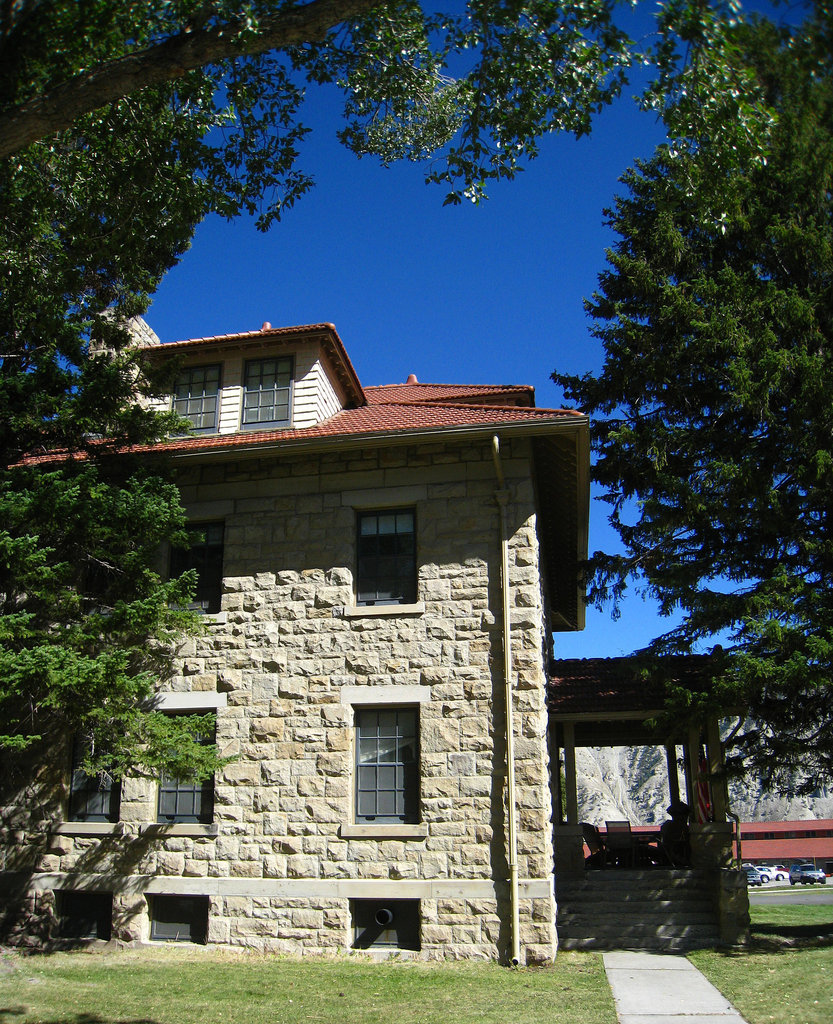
(502, 497)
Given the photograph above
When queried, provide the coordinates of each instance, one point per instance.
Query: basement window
(84, 915)
(385, 924)
(179, 918)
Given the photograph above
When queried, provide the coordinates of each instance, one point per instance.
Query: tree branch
(57, 109)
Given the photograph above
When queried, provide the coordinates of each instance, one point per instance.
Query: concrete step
(674, 916)
(635, 904)
(596, 936)
(630, 892)
(652, 944)
(661, 911)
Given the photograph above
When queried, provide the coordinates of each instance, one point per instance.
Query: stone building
(378, 567)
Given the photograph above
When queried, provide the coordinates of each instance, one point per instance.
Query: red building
(787, 842)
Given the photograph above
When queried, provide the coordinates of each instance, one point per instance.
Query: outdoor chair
(620, 843)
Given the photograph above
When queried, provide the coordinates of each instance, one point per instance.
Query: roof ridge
(474, 406)
(264, 331)
(442, 384)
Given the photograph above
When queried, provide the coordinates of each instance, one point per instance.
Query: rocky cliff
(632, 783)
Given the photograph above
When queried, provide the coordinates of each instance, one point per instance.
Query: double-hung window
(267, 392)
(91, 797)
(205, 554)
(386, 569)
(196, 396)
(185, 801)
(387, 765)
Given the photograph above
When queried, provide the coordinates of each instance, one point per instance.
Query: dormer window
(196, 393)
(267, 392)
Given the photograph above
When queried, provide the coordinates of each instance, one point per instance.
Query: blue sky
(468, 294)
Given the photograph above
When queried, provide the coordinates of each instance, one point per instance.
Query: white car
(762, 871)
(779, 872)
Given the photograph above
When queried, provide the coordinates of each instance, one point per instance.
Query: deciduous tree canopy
(121, 127)
(713, 413)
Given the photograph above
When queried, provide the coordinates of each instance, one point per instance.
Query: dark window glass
(387, 780)
(91, 797)
(389, 924)
(185, 801)
(179, 918)
(386, 557)
(196, 393)
(206, 556)
(85, 915)
(267, 391)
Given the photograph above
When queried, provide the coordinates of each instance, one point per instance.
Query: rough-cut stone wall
(285, 663)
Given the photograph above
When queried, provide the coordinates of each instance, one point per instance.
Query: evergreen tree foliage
(122, 126)
(713, 412)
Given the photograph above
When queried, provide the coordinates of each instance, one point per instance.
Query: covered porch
(610, 702)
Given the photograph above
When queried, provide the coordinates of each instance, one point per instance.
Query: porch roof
(611, 698)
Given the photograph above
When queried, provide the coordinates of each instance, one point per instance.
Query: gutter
(502, 497)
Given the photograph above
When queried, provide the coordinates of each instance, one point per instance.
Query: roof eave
(301, 445)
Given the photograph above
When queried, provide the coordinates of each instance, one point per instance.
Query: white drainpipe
(502, 497)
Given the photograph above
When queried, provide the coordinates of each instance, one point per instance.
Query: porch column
(691, 768)
(711, 841)
(717, 779)
(673, 775)
(555, 776)
(570, 773)
(567, 836)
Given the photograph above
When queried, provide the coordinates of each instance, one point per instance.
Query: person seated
(594, 843)
(675, 837)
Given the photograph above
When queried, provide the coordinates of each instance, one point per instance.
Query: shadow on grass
(777, 938)
(9, 1014)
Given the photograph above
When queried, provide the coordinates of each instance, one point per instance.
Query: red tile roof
(386, 413)
(267, 331)
(380, 420)
(610, 686)
(469, 394)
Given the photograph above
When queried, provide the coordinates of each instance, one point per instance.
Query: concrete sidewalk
(655, 989)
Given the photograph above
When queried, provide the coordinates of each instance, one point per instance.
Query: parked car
(752, 875)
(779, 872)
(763, 873)
(807, 874)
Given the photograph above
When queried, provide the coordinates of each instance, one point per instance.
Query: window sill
(90, 828)
(377, 610)
(370, 831)
(193, 829)
(249, 428)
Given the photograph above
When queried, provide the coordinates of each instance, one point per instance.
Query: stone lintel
(407, 693)
(371, 831)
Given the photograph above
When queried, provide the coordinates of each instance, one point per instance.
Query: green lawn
(178, 986)
(786, 975)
